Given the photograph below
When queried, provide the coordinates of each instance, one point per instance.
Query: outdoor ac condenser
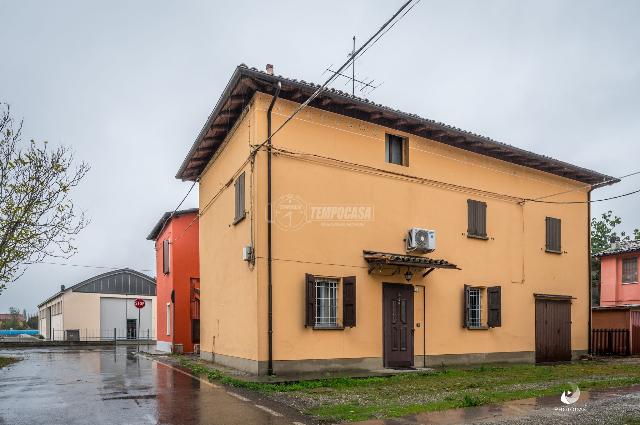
(421, 240)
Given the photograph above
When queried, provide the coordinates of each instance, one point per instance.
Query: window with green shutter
(165, 256)
(476, 219)
(239, 199)
(553, 235)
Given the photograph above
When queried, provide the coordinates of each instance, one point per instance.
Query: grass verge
(6, 361)
(351, 399)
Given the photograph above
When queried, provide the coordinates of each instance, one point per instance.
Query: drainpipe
(424, 326)
(269, 244)
(589, 264)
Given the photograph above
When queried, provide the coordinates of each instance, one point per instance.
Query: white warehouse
(102, 307)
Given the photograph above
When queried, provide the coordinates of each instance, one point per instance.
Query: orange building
(178, 279)
(619, 312)
(619, 274)
(364, 237)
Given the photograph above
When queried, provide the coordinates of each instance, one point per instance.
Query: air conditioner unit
(421, 240)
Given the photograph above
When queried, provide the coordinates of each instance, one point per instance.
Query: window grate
(326, 302)
(475, 311)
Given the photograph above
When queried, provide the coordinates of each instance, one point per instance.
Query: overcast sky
(128, 85)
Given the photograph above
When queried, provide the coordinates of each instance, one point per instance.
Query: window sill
(328, 328)
(238, 219)
(629, 283)
(484, 238)
(552, 251)
(395, 163)
(478, 328)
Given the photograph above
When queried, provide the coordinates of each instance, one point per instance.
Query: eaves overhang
(159, 226)
(245, 82)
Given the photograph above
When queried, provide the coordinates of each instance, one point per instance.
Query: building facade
(13, 319)
(102, 307)
(619, 309)
(619, 274)
(175, 238)
(332, 276)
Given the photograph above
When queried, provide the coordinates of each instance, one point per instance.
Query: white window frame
(326, 293)
(474, 300)
(168, 319)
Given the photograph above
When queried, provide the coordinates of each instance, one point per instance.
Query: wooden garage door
(553, 330)
(635, 332)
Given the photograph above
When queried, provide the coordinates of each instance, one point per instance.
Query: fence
(114, 334)
(610, 342)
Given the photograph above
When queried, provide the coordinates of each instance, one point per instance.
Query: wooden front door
(397, 310)
(553, 330)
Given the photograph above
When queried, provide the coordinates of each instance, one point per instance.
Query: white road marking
(238, 396)
(266, 409)
(204, 381)
(298, 423)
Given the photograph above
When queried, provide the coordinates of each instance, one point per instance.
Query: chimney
(269, 69)
(61, 288)
(614, 242)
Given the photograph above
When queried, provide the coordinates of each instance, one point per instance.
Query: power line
(334, 76)
(178, 207)
(584, 202)
(584, 187)
(376, 36)
(388, 29)
(84, 266)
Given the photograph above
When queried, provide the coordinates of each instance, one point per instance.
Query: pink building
(619, 274)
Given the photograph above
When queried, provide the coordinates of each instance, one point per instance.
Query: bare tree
(37, 216)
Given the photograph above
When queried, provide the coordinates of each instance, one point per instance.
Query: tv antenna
(363, 85)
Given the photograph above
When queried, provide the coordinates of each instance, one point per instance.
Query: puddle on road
(504, 411)
(112, 385)
(132, 397)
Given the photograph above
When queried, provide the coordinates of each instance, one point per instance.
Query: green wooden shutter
(465, 309)
(165, 256)
(495, 306)
(482, 219)
(471, 219)
(553, 234)
(476, 218)
(310, 300)
(239, 197)
(349, 301)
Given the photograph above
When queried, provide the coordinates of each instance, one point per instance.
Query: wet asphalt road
(115, 386)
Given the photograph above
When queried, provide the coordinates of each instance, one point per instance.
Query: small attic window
(396, 150)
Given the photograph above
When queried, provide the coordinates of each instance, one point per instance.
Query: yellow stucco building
(393, 240)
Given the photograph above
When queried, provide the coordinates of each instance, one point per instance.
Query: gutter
(604, 183)
(269, 229)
